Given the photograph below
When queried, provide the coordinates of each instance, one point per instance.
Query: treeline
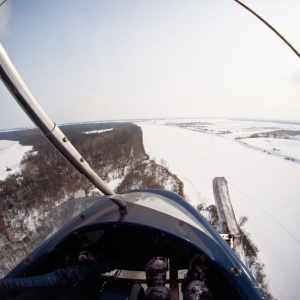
(33, 137)
(47, 179)
(279, 134)
(151, 175)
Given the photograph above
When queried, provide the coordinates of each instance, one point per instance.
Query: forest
(113, 150)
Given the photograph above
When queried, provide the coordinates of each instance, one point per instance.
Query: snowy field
(263, 185)
(11, 153)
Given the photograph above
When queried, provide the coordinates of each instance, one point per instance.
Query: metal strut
(19, 90)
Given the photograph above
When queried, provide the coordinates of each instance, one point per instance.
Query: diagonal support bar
(19, 90)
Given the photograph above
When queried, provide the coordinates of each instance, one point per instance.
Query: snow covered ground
(263, 185)
(11, 153)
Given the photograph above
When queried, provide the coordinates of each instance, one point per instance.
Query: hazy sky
(118, 59)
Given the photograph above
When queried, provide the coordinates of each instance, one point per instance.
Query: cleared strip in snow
(284, 147)
(98, 131)
(11, 153)
(263, 187)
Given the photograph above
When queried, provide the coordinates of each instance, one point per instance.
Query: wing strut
(229, 227)
(19, 90)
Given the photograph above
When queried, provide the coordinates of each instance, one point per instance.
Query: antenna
(270, 26)
(19, 90)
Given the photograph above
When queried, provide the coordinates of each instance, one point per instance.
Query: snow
(114, 183)
(263, 187)
(11, 153)
(284, 147)
(98, 131)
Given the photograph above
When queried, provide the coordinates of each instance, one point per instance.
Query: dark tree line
(47, 179)
(151, 175)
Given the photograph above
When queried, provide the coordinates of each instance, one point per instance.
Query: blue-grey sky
(123, 59)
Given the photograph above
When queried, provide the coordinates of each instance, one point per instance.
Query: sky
(131, 59)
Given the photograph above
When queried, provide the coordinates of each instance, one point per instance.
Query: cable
(267, 213)
(270, 26)
(3, 2)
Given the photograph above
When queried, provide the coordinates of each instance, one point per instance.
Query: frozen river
(263, 187)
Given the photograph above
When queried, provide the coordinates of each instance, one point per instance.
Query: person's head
(156, 270)
(85, 256)
(199, 266)
(157, 264)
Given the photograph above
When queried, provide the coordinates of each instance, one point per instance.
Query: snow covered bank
(11, 153)
(288, 149)
(263, 187)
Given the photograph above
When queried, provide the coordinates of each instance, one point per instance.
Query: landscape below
(116, 152)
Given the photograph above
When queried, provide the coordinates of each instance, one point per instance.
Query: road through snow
(263, 187)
